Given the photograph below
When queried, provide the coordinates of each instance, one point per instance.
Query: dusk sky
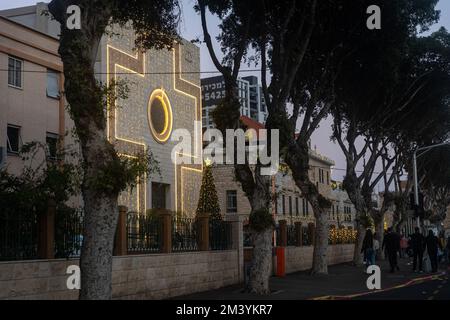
(191, 29)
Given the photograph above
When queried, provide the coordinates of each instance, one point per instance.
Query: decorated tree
(208, 202)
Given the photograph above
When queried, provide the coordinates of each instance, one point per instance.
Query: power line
(342, 169)
(146, 73)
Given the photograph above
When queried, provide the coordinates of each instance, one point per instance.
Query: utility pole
(416, 183)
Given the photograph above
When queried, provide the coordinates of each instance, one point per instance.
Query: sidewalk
(342, 280)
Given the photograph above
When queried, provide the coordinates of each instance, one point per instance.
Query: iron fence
(18, 235)
(278, 234)
(184, 235)
(291, 236)
(143, 233)
(68, 232)
(247, 237)
(306, 237)
(220, 235)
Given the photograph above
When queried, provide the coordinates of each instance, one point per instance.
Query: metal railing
(68, 232)
(143, 233)
(184, 235)
(18, 235)
(291, 235)
(220, 235)
(306, 237)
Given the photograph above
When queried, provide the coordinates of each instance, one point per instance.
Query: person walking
(391, 243)
(367, 248)
(418, 246)
(403, 246)
(376, 247)
(432, 244)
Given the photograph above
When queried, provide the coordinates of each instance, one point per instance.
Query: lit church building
(164, 95)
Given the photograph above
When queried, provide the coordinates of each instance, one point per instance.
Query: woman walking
(367, 248)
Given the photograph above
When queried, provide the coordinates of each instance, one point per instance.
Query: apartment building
(31, 105)
(250, 94)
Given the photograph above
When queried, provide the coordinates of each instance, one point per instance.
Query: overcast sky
(191, 29)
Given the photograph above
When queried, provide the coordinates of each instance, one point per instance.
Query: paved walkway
(342, 280)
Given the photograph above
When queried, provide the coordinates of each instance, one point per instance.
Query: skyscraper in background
(250, 95)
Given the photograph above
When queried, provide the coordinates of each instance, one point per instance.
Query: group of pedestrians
(395, 245)
(436, 248)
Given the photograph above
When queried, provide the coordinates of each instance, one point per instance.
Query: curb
(406, 284)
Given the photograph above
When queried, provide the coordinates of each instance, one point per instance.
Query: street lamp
(416, 185)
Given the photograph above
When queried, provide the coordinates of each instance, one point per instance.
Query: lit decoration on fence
(342, 236)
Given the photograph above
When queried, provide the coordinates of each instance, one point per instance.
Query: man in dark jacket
(391, 243)
(418, 246)
(432, 244)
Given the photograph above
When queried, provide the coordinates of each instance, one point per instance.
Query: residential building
(157, 104)
(250, 94)
(343, 212)
(289, 204)
(31, 106)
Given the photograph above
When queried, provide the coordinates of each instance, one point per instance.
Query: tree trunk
(297, 159)
(320, 260)
(263, 246)
(379, 229)
(256, 187)
(103, 177)
(97, 251)
(261, 263)
(361, 233)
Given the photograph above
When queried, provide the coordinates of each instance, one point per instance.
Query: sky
(190, 28)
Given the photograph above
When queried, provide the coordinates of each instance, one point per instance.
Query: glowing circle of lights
(160, 117)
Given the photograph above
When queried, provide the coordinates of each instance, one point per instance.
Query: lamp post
(416, 184)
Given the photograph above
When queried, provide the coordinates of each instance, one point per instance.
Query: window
(290, 206)
(15, 72)
(231, 201)
(322, 176)
(305, 207)
(328, 178)
(284, 205)
(159, 193)
(13, 139)
(296, 207)
(52, 84)
(52, 145)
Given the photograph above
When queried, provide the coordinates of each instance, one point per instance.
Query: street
(345, 282)
(438, 289)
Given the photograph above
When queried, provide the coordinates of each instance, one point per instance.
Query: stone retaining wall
(300, 258)
(134, 277)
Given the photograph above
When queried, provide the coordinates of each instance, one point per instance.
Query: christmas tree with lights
(208, 202)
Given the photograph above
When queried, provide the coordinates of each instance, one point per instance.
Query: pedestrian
(418, 247)
(391, 243)
(367, 248)
(432, 245)
(376, 246)
(403, 246)
(441, 248)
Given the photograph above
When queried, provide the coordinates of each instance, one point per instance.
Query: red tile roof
(252, 124)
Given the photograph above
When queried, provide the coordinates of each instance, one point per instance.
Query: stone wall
(134, 277)
(300, 258)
